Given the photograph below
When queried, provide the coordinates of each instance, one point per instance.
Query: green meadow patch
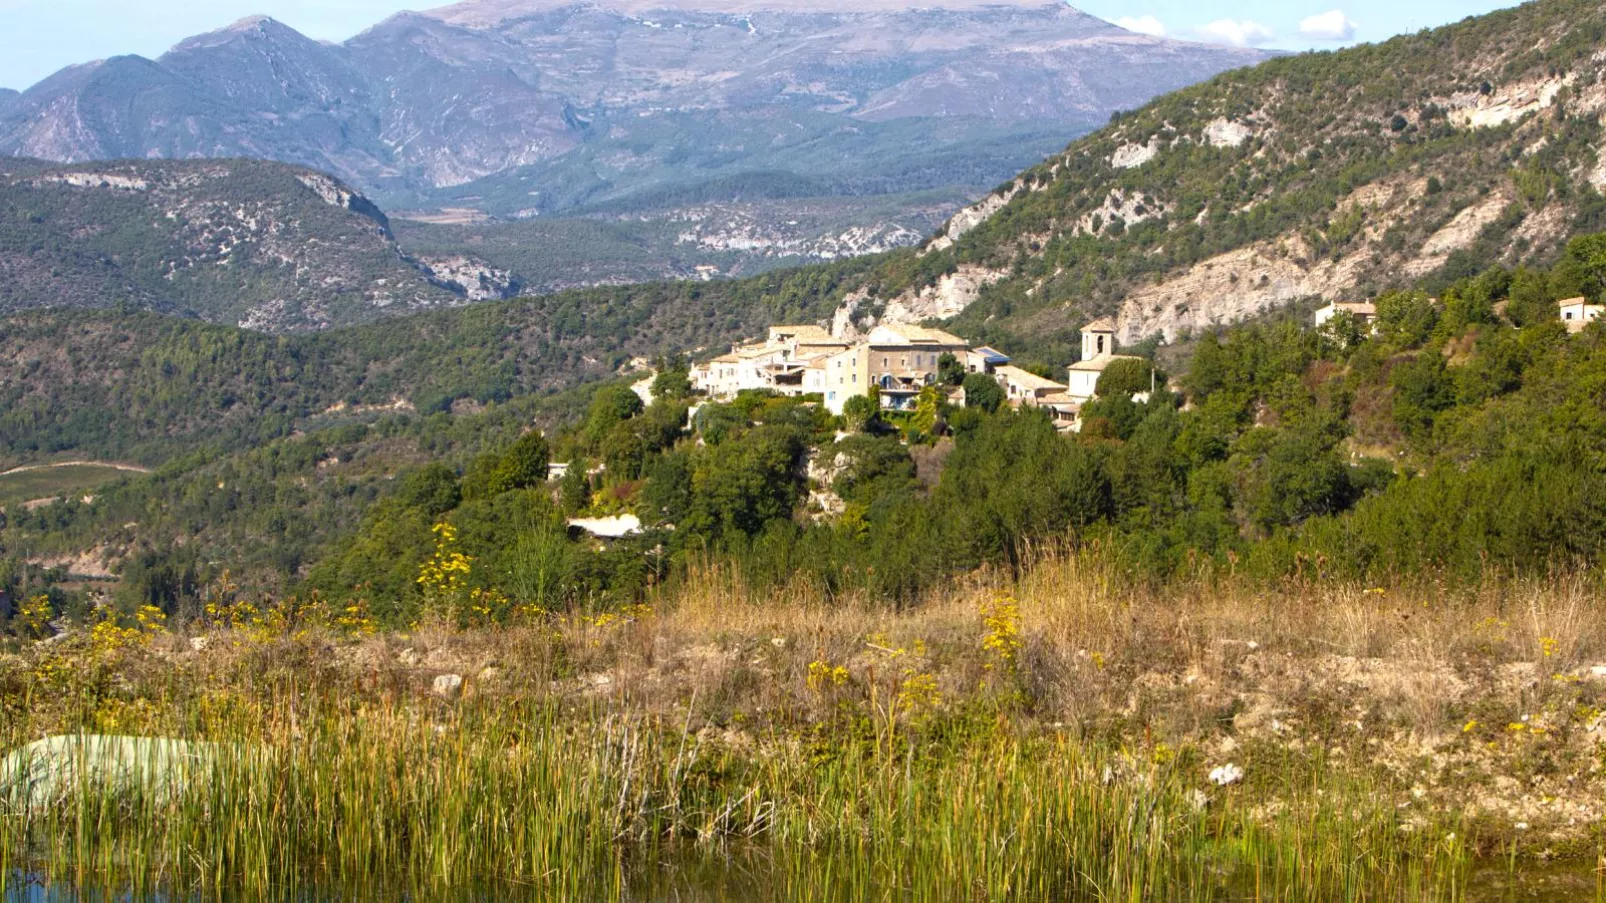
(58, 480)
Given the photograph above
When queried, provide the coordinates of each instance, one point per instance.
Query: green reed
(433, 799)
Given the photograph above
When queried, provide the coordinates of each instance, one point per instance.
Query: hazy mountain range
(517, 109)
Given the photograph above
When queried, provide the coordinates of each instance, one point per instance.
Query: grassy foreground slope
(1212, 742)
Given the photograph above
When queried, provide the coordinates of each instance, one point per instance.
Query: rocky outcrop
(756, 231)
(1508, 103)
(1230, 288)
(112, 180)
(1131, 156)
(1124, 208)
(1459, 233)
(973, 216)
(1227, 133)
(473, 279)
(947, 298)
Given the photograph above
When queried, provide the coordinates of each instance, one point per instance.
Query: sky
(38, 37)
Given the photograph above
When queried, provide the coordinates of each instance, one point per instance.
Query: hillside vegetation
(1464, 438)
(148, 387)
(243, 242)
(1422, 159)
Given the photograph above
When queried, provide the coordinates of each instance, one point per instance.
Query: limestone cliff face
(474, 279)
(1249, 282)
(1230, 288)
(947, 298)
(973, 216)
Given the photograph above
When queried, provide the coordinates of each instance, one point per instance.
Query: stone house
(1578, 313)
(1364, 312)
(1022, 387)
(1026, 389)
(789, 361)
(897, 361)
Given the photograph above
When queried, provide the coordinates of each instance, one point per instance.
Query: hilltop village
(895, 364)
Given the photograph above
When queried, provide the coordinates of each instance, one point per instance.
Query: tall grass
(636, 757)
(376, 800)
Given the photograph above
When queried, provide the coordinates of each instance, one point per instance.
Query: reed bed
(1036, 736)
(533, 802)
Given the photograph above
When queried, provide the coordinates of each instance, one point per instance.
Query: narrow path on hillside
(127, 468)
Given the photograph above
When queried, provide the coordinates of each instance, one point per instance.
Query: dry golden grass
(1481, 701)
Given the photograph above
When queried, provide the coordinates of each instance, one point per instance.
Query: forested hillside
(1419, 160)
(242, 242)
(147, 387)
(1465, 436)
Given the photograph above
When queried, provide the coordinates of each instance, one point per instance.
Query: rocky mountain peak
(250, 28)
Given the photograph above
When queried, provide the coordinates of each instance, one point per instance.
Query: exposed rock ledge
(973, 216)
(1231, 287)
(474, 279)
(948, 298)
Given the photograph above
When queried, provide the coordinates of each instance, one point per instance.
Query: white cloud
(1328, 26)
(1238, 33)
(1142, 25)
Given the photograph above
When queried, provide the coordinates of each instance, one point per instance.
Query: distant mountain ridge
(487, 13)
(564, 104)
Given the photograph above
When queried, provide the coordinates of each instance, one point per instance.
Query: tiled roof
(1102, 324)
(1062, 401)
(1366, 308)
(1028, 379)
(921, 335)
(802, 332)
